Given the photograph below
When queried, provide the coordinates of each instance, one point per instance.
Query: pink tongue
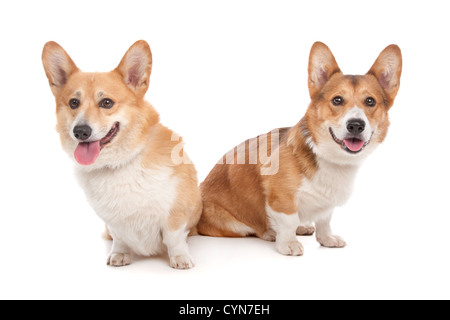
(87, 152)
(354, 144)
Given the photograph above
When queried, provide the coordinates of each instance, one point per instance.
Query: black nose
(82, 132)
(356, 126)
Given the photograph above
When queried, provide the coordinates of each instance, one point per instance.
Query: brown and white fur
(275, 186)
(126, 161)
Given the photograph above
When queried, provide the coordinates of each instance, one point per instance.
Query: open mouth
(111, 134)
(87, 153)
(351, 145)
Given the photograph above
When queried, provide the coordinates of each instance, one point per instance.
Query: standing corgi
(275, 186)
(126, 161)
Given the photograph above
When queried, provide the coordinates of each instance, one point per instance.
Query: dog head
(100, 116)
(348, 115)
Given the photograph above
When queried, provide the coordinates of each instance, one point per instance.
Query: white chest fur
(133, 201)
(331, 186)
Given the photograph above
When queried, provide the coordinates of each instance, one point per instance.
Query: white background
(225, 71)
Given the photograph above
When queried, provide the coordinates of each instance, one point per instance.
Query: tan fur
(161, 146)
(239, 193)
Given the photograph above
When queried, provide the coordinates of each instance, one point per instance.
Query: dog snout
(82, 132)
(356, 126)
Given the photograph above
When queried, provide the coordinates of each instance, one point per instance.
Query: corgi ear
(388, 69)
(136, 67)
(58, 65)
(322, 65)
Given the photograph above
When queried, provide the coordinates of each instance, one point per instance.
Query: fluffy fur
(316, 160)
(148, 199)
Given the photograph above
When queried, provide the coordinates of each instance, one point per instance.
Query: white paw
(269, 235)
(182, 262)
(332, 242)
(290, 248)
(305, 230)
(119, 260)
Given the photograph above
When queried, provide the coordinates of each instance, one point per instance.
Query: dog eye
(74, 103)
(106, 103)
(337, 101)
(370, 102)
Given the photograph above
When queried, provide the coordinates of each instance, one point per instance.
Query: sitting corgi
(126, 161)
(276, 185)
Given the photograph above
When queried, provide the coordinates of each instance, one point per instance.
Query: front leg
(325, 236)
(177, 248)
(285, 226)
(120, 254)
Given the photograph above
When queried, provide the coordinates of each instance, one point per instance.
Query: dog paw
(305, 230)
(119, 260)
(182, 262)
(269, 235)
(290, 248)
(332, 242)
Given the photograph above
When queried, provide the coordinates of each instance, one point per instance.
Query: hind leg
(306, 230)
(218, 222)
(106, 234)
(269, 235)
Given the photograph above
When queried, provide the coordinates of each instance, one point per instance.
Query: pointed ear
(58, 65)
(388, 69)
(322, 65)
(136, 67)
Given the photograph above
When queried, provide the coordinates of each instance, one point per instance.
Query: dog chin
(333, 153)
